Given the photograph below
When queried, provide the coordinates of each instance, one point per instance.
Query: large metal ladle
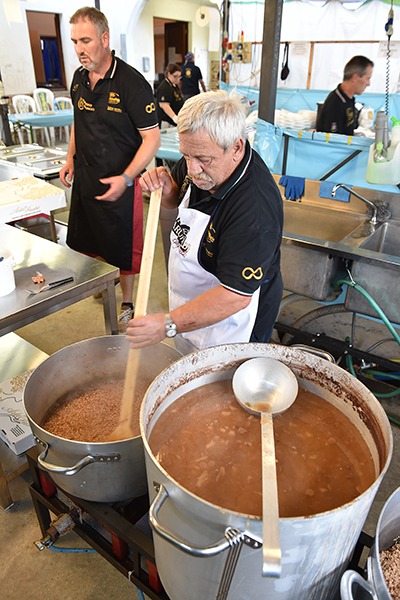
(264, 386)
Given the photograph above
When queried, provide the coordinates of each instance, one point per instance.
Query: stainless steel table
(31, 254)
(16, 356)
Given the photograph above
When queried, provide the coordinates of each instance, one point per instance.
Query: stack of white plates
(310, 118)
(304, 119)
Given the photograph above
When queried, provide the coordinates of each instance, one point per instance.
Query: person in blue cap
(191, 78)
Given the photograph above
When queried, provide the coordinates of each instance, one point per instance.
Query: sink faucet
(374, 207)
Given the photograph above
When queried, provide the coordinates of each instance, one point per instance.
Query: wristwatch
(128, 180)
(170, 328)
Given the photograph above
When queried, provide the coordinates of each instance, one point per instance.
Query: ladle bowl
(264, 386)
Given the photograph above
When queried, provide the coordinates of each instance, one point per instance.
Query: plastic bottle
(395, 139)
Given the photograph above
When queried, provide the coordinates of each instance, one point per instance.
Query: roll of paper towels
(203, 16)
(210, 17)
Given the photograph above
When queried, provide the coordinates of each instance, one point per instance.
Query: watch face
(171, 332)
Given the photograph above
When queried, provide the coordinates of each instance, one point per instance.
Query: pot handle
(167, 535)
(346, 585)
(86, 460)
(317, 351)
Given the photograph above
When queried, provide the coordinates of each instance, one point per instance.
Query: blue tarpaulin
(314, 154)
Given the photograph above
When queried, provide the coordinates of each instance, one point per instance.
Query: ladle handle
(271, 546)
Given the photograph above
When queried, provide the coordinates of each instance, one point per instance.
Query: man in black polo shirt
(225, 282)
(190, 78)
(114, 136)
(338, 113)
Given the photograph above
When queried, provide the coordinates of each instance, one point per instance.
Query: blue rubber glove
(294, 186)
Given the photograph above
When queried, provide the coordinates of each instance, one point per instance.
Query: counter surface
(32, 253)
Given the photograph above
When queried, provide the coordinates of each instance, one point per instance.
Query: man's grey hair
(221, 115)
(95, 16)
(357, 64)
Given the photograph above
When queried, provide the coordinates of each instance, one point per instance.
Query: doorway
(45, 38)
(170, 45)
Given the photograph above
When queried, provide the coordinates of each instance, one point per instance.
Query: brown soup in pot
(211, 446)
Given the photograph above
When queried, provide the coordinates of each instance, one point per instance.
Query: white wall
(16, 63)
(140, 43)
(131, 17)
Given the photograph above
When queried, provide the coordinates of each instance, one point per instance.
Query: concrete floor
(25, 572)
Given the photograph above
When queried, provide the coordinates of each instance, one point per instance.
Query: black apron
(99, 227)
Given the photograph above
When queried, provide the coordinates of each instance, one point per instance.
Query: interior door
(176, 37)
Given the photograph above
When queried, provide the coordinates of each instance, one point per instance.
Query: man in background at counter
(225, 282)
(114, 136)
(338, 113)
(191, 77)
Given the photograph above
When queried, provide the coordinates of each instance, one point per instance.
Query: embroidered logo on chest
(83, 105)
(181, 232)
(113, 98)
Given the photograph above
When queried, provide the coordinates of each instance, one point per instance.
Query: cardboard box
(21, 198)
(14, 426)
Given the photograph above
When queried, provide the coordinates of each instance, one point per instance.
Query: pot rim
(255, 518)
(54, 357)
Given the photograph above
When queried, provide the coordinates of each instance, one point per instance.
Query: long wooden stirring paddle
(123, 430)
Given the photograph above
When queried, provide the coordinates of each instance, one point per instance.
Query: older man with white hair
(225, 282)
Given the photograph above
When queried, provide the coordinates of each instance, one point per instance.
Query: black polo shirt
(127, 92)
(338, 114)
(170, 93)
(241, 245)
(191, 76)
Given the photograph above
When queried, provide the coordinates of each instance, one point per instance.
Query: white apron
(188, 279)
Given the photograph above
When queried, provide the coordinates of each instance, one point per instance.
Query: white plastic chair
(63, 103)
(44, 100)
(24, 104)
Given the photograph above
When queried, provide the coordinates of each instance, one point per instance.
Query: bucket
(197, 535)
(388, 530)
(7, 278)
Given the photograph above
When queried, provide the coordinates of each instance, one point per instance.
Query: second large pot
(387, 532)
(201, 537)
(101, 472)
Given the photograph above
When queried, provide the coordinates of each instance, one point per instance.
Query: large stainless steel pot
(101, 472)
(202, 538)
(387, 531)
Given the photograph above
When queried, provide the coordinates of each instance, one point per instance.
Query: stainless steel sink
(313, 244)
(376, 268)
(386, 239)
(319, 222)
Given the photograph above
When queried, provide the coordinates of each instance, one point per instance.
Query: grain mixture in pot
(91, 412)
(390, 563)
(210, 445)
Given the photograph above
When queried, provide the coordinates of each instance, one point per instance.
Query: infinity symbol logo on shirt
(150, 108)
(248, 273)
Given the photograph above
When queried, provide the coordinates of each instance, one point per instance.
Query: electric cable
(371, 348)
